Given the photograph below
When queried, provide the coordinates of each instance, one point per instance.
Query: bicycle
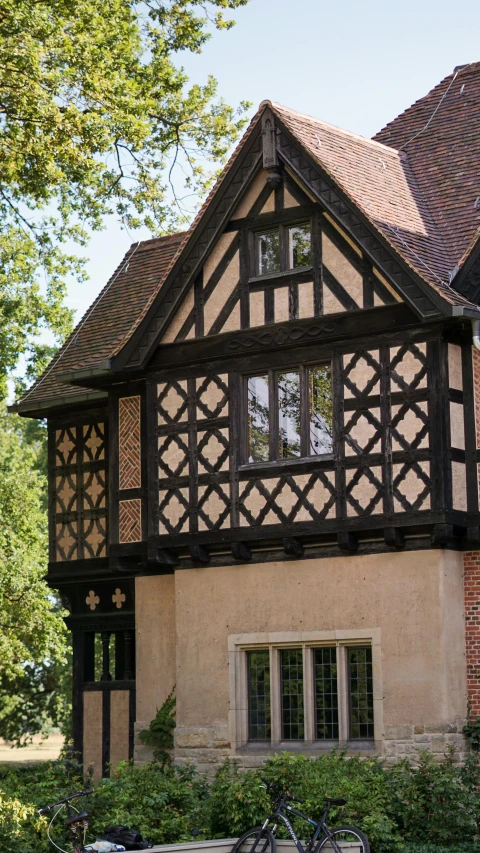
(74, 822)
(262, 838)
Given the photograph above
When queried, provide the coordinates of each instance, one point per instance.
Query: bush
(433, 808)
(238, 802)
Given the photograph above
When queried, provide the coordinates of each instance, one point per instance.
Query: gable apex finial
(270, 156)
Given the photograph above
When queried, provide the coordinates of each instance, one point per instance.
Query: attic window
(268, 252)
(282, 249)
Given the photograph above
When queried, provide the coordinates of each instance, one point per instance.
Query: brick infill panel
(471, 565)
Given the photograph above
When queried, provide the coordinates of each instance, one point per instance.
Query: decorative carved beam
(164, 557)
(241, 551)
(347, 541)
(200, 554)
(473, 536)
(442, 535)
(394, 537)
(293, 547)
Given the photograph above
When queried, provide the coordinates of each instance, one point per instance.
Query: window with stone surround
(306, 690)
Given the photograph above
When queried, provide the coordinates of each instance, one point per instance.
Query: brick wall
(471, 561)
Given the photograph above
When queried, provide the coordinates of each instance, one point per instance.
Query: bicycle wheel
(256, 840)
(351, 835)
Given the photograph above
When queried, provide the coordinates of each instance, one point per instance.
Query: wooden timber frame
(400, 317)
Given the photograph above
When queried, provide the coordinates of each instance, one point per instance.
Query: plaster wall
(155, 642)
(415, 599)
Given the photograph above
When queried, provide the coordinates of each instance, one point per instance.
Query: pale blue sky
(354, 64)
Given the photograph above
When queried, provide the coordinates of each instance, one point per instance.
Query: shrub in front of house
(401, 808)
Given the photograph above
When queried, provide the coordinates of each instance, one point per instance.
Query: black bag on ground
(130, 838)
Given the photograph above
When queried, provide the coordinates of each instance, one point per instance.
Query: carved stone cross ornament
(92, 600)
(119, 598)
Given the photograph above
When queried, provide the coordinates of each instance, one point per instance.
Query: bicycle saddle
(76, 818)
(335, 801)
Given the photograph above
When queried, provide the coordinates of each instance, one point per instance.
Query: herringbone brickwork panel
(129, 443)
(130, 520)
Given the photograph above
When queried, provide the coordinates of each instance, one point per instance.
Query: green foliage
(97, 117)
(33, 638)
(436, 802)
(472, 728)
(434, 808)
(159, 734)
(238, 804)
(165, 804)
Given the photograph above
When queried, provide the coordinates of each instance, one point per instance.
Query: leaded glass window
(320, 410)
(267, 251)
(291, 666)
(258, 419)
(326, 694)
(283, 248)
(360, 674)
(289, 414)
(288, 391)
(259, 717)
(299, 246)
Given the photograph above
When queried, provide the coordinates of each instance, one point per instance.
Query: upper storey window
(281, 249)
(289, 414)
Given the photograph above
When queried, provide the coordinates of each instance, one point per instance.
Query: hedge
(431, 808)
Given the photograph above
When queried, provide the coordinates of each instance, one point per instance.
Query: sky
(356, 64)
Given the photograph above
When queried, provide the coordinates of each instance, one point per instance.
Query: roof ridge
(449, 78)
(151, 242)
(342, 130)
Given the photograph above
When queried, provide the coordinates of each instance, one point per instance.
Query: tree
(95, 118)
(33, 638)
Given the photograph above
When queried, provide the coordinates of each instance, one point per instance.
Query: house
(264, 439)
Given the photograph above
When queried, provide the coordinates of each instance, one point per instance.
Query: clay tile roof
(382, 184)
(417, 182)
(440, 134)
(111, 319)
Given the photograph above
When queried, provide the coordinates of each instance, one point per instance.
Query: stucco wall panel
(119, 725)
(222, 291)
(92, 731)
(344, 272)
(179, 319)
(415, 599)
(155, 642)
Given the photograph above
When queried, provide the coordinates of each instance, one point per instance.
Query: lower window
(313, 693)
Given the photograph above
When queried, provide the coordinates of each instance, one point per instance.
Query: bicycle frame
(73, 832)
(321, 828)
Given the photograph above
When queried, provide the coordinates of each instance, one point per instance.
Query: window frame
(283, 228)
(240, 644)
(273, 457)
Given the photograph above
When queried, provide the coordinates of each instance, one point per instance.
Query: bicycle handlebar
(75, 796)
(284, 795)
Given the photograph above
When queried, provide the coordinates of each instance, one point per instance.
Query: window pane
(258, 419)
(291, 663)
(288, 414)
(320, 397)
(299, 246)
(326, 695)
(361, 693)
(259, 695)
(267, 252)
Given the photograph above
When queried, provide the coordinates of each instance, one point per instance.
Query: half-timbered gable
(264, 446)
